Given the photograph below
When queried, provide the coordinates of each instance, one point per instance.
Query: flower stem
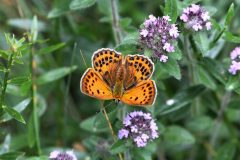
(190, 58)
(224, 103)
(115, 22)
(111, 129)
(4, 87)
(32, 67)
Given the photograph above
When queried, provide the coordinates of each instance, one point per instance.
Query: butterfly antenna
(83, 59)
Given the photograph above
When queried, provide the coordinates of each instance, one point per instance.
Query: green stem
(34, 101)
(111, 128)
(220, 115)
(4, 87)
(115, 22)
(189, 58)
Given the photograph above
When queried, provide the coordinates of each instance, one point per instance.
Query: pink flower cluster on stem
(235, 57)
(196, 18)
(58, 155)
(158, 35)
(140, 127)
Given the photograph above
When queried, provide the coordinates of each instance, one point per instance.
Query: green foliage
(47, 46)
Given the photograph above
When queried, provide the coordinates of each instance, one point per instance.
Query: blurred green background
(68, 34)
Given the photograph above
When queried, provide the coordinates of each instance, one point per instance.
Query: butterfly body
(121, 78)
(118, 89)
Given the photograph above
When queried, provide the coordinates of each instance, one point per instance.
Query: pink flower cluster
(57, 155)
(140, 127)
(158, 35)
(196, 18)
(235, 57)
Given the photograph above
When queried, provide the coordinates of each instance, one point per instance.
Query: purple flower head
(196, 18)
(140, 129)
(158, 35)
(235, 57)
(57, 155)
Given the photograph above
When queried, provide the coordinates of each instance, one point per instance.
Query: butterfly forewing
(144, 93)
(92, 85)
(138, 68)
(106, 62)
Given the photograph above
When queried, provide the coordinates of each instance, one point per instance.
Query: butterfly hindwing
(144, 93)
(106, 62)
(92, 85)
(138, 68)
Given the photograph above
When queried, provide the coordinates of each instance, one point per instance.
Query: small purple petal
(127, 121)
(54, 154)
(134, 129)
(184, 17)
(208, 25)
(154, 135)
(144, 137)
(163, 58)
(152, 18)
(72, 155)
(144, 33)
(205, 16)
(235, 66)
(174, 31)
(140, 142)
(167, 18)
(235, 53)
(153, 125)
(123, 133)
(194, 8)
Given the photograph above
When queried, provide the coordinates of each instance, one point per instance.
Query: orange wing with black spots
(92, 85)
(143, 94)
(106, 62)
(138, 68)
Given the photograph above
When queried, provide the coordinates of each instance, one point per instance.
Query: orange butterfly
(125, 79)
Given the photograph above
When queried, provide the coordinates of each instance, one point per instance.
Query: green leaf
(171, 67)
(201, 41)
(234, 104)
(100, 120)
(118, 147)
(233, 83)
(34, 29)
(89, 125)
(5, 147)
(231, 38)
(103, 7)
(125, 22)
(229, 16)
(18, 108)
(201, 76)
(211, 10)
(4, 54)
(50, 49)
(14, 114)
(181, 99)
(171, 9)
(19, 80)
(81, 4)
(11, 155)
(177, 54)
(38, 158)
(177, 138)
(217, 70)
(200, 124)
(30, 132)
(226, 151)
(128, 44)
(60, 7)
(2, 68)
(55, 74)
